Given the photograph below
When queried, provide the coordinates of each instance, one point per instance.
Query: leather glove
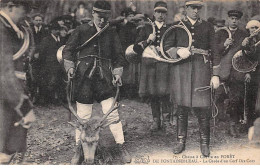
(214, 82)
(184, 53)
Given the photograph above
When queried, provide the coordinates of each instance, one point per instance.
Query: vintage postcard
(130, 82)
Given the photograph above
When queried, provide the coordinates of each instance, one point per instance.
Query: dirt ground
(51, 139)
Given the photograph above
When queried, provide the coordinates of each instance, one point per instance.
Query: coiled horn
(25, 46)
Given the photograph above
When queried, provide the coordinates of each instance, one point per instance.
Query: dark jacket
(48, 51)
(154, 77)
(195, 71)
(38, 37)
(127, 35)
(107, 46)
(226, 70)
(12, 139)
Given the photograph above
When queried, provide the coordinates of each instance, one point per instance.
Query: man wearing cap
(16, 112)
(92, 70)
(226, 48)
(253, 53)
(193, 73)
(154, 76)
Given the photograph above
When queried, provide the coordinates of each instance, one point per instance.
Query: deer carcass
(89, 134)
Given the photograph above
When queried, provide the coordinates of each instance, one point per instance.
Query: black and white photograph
(129, 82)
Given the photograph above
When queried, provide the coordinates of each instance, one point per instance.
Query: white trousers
(84, 111)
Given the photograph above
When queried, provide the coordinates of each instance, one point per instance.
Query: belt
(97, 66)
(199, 51)
(94, 56)
(204, 53)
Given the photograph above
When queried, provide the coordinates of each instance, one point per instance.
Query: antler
(112, 108)
(81, 121)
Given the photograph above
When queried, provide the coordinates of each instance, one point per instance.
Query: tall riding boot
(182, 124)
(204, 128)
(155, 105)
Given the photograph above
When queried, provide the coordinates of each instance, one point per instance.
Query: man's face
(160, 16)
(37, 21)
(182, 10)
(129, 18)
(253, 29)
(100, 19)
(233, 21)
(193, 12)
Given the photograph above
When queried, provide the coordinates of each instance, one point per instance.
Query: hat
(253, 23)
(194, 3)
(235, 13)
(102, 6)
(220, 22)
(161, 6)
(139, 17)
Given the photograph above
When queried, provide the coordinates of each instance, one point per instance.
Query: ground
(51, 139)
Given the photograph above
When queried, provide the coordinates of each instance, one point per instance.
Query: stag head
(89, 133)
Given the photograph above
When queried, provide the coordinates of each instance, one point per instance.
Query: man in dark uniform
(191, 73)
(16, 112)
(226, 48)
(154, 76)
(97, 63)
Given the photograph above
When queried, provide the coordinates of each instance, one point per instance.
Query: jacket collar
(199, 21)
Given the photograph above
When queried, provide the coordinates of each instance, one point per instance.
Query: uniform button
(193, 40)
(192, 27)
(158, 41)
(192, 34)
(192, 46)
(158, 36)
(158, 31)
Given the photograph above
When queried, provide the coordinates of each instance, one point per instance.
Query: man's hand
(117, 80)
(214, 82)
(248, 77)
(228, 42)
(71, 73)
(184, 53)
(245, 42)
(151, 38)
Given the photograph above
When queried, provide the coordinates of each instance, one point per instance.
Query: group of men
(97, 67)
